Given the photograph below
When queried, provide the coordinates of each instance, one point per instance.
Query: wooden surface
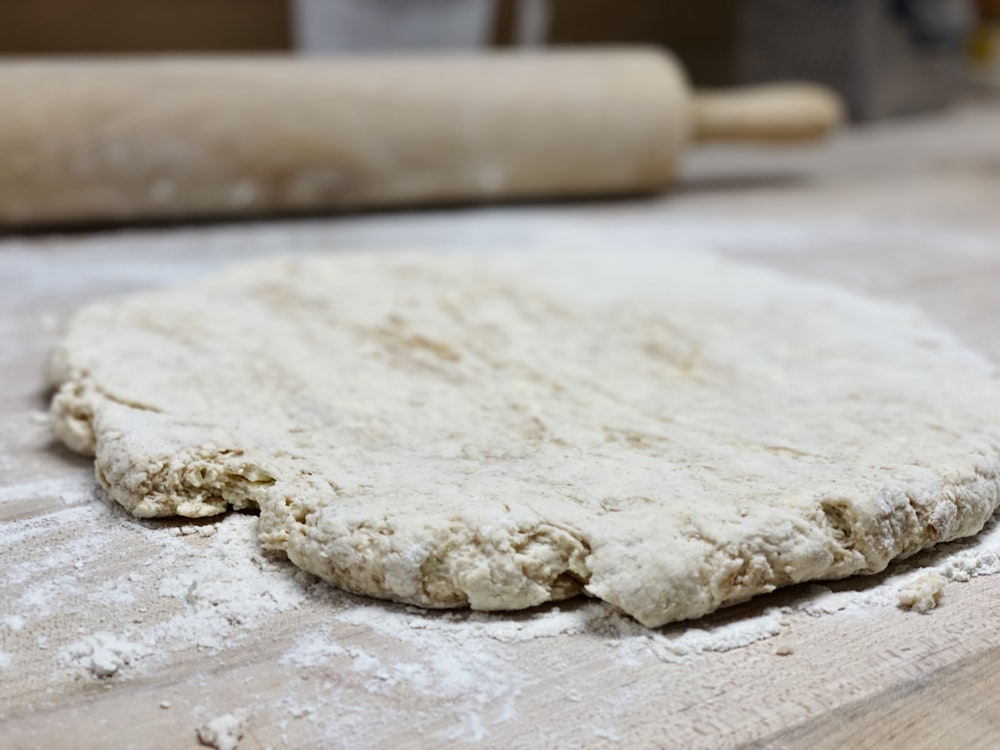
(908, 212)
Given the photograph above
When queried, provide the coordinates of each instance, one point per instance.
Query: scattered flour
(440, 658)
(724, 637)
(461, 659)
(71, 490)
(200, 590)
(822, 600)
(13, 623)
(231, 588)
(970, 564)
(311, 650)
(6, 660)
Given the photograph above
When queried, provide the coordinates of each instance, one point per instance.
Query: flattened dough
(667, 431)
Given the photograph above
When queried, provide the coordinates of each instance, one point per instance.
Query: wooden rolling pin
(107, 141)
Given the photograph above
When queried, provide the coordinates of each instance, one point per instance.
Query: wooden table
(205, 625)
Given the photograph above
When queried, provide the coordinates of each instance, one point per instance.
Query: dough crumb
(922, 594)
(101, 654)
(203, 530)
(783, 651)
(223, 732)
(164, 705)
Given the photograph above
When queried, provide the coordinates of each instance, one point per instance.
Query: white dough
(223, 732)
(921, 594)
(667, 431)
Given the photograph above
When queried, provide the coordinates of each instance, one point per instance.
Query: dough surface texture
(667, 431)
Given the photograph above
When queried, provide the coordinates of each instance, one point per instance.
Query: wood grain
(950, 706)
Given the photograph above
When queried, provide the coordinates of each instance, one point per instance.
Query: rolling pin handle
(786, 112)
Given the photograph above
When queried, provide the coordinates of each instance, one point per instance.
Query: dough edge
(502, 563)
(493, 564)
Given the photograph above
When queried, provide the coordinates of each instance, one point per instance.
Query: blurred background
(885, 57)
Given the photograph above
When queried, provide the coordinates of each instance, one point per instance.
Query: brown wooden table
(204, 625)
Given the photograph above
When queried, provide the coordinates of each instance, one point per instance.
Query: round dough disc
(667, 431)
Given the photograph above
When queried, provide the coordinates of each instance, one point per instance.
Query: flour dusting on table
(207, 586)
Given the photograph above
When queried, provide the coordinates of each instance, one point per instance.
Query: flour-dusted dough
(666, 431)
(921, 594)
